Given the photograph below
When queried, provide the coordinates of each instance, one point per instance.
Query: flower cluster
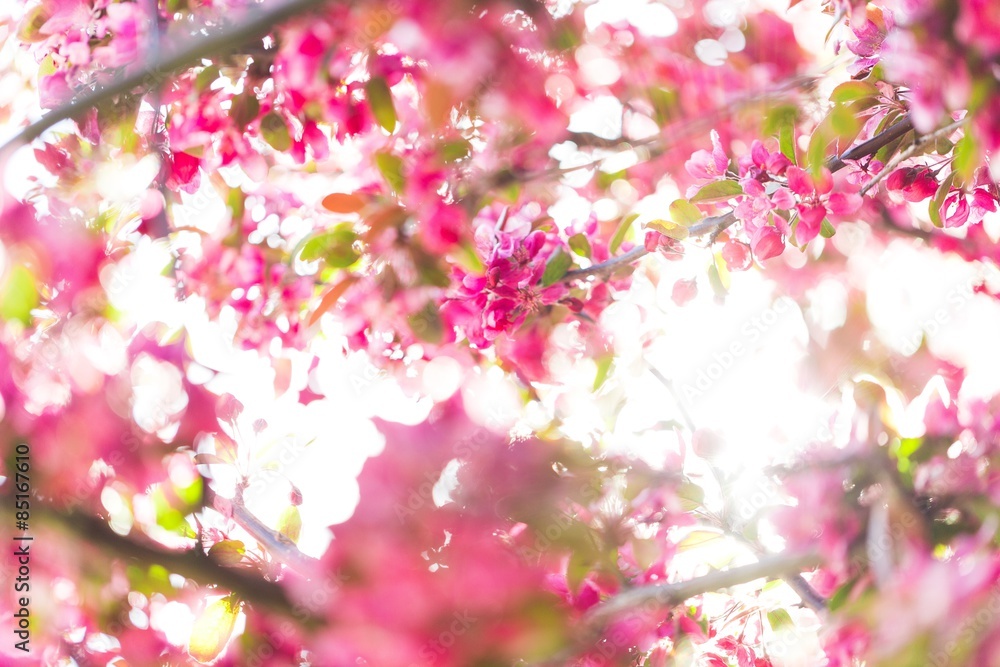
(511, 287)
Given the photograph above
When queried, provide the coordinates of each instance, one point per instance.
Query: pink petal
(799, 181)
(767, 243)
(960, 215)
(810, 220)
(824, 182)
(842, 203)
(701, 165)
(684, 291)
(721, 159)
(783, 199)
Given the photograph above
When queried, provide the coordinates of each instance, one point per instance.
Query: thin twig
(805, 591)
(276, 544)
(258, 23)
(608, 267)
(190, 563)
(668, 595)
(873, 145)
(715, 224)
(917, 144)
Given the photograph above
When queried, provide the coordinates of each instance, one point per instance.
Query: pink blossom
(736, 255)
(816, 200)
(911, 184)
(684, 290)
(762, 164)
(766, 243)
(979, 26)
(705, 165)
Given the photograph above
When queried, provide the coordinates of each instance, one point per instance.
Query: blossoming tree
(429, 249)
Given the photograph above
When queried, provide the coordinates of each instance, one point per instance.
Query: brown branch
(258, 23)
(715, 224)
(873, 145)
(190, 563)
(919, 143)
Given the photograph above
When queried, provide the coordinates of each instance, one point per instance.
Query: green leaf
(580, 244)
(781, 122)
(190, 494)
(577, 568)
(937, 201)
(840, 596)
(826, 229)
(429, 271)
(426, 324)
(213, 628)
(716, 191)
(722, 270)
(244, 109)
(853, 90)
(698, 538)
(904, 448)
(18, 296)
(335, 246)
(715, 279)
(227, 552)
(779, 619)
(468, 259)
(556, 267)
(778, 117)
(685, 213)
(966, 157)
(844, 123)
(604, 179)
(603, 370)
(668, 228)
(623, 228)
(290, 523)
(380, 100)
(167, 515)
(236, 201)
(786, 142)
(818, 142)
(205, 78)
(665, 104)
(452, 151)
(391, 167)
(275, 132)
(645, 551)
(691, 496)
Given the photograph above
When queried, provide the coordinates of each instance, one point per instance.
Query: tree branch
(872, 146)
(671, 595)
(190, 563)
(805, 591)
(257, 24)
(608, 267)
(276, 544)
(713, 225)
(917, 144)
